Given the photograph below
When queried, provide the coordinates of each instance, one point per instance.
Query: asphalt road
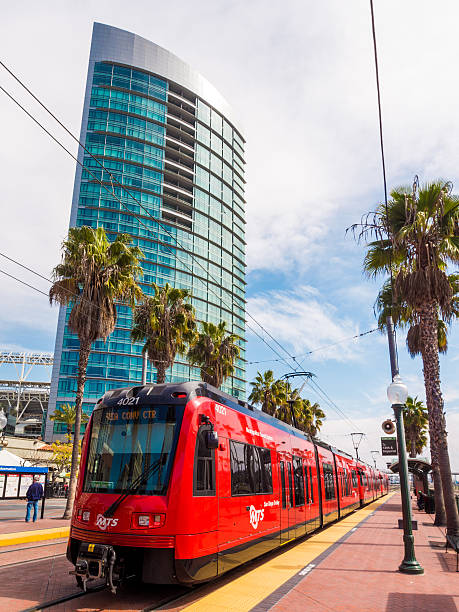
(15, 509)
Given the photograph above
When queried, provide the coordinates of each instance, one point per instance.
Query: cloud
(305, 321)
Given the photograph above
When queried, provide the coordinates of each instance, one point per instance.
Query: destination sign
(389, 446)
(131, 415)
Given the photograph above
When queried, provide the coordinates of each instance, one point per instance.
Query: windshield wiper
(134, 486)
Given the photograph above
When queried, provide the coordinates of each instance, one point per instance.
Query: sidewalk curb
(23, 537)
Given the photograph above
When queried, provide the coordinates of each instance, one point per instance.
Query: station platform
(350, 566)
(14, 530)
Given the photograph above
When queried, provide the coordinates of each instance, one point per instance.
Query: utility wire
(23, 282)
(128, 191)
(383, 162)
(112, 193)
(320, 348)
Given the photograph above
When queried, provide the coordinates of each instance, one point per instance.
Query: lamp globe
(397, 391)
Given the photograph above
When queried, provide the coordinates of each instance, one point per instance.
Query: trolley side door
(286, 495)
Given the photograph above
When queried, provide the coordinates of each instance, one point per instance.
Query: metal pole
(42, 513)
(144, 368)
(392, 349)
(409, 565)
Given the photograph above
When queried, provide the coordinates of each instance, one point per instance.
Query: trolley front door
(287, 512)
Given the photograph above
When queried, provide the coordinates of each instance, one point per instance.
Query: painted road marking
(22, 537)
(307, 569)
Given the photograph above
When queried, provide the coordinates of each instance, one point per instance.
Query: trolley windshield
(128, 442)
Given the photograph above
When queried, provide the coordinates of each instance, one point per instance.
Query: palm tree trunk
(85, 349)
(413, 446)
(437, 426)
(160, 373)
(440, 512)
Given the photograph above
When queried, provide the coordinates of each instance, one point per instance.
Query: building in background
(166, 134)
(24, 401)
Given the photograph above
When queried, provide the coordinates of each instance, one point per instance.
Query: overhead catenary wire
(320, 348)
(157, 221)
(383, 162)
(129, 192)
(23, 282)
(323, 396)
(111, 192)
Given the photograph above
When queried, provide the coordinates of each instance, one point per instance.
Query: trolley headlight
(84, 515)
(143, 520)
(147, 520)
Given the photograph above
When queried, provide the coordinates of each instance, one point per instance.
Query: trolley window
(290, 483)
(132, 444)
(354, 479)
(312, 488)
(329, 483)
(284, 493)
(251, 469)
(306, 483)
(204, 466)
(298, 480)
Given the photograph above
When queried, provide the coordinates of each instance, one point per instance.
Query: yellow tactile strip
(22, 537)
(245, 592)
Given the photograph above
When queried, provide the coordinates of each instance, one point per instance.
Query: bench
(453, 542)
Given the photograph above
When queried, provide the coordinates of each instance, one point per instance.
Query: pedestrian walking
(34, 494)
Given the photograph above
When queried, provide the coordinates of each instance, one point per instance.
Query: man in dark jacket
(34, 494)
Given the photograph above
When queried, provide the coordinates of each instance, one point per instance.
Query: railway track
(53, 543)
(156, 605)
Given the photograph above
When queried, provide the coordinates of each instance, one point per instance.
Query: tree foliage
(215, 351)
(415, 419)
(273, 396)
(415, 238)
(166, 323)
(62, 454)
(93, 275)
(67, 414)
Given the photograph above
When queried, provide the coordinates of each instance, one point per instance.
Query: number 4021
(128, 401)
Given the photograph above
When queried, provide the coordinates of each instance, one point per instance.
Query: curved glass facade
(182, 160)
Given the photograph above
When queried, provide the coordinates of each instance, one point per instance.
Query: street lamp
(3, 422)
(373, 454)
(356, 439)
(397, 393)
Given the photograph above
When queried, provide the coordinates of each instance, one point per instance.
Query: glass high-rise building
(166, 134)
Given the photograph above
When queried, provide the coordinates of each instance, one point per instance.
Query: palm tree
(415, 419)
(165, 321)
(310, 418)
(67, 414)
(266, 391)
(404, 316)
(416, 237)
(92, 275)
(214, 350)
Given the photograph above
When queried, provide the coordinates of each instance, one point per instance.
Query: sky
(300, 75)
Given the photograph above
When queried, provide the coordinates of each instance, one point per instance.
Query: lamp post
(3, 422)
(397, 394)
(373, 454)
(356, 439)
